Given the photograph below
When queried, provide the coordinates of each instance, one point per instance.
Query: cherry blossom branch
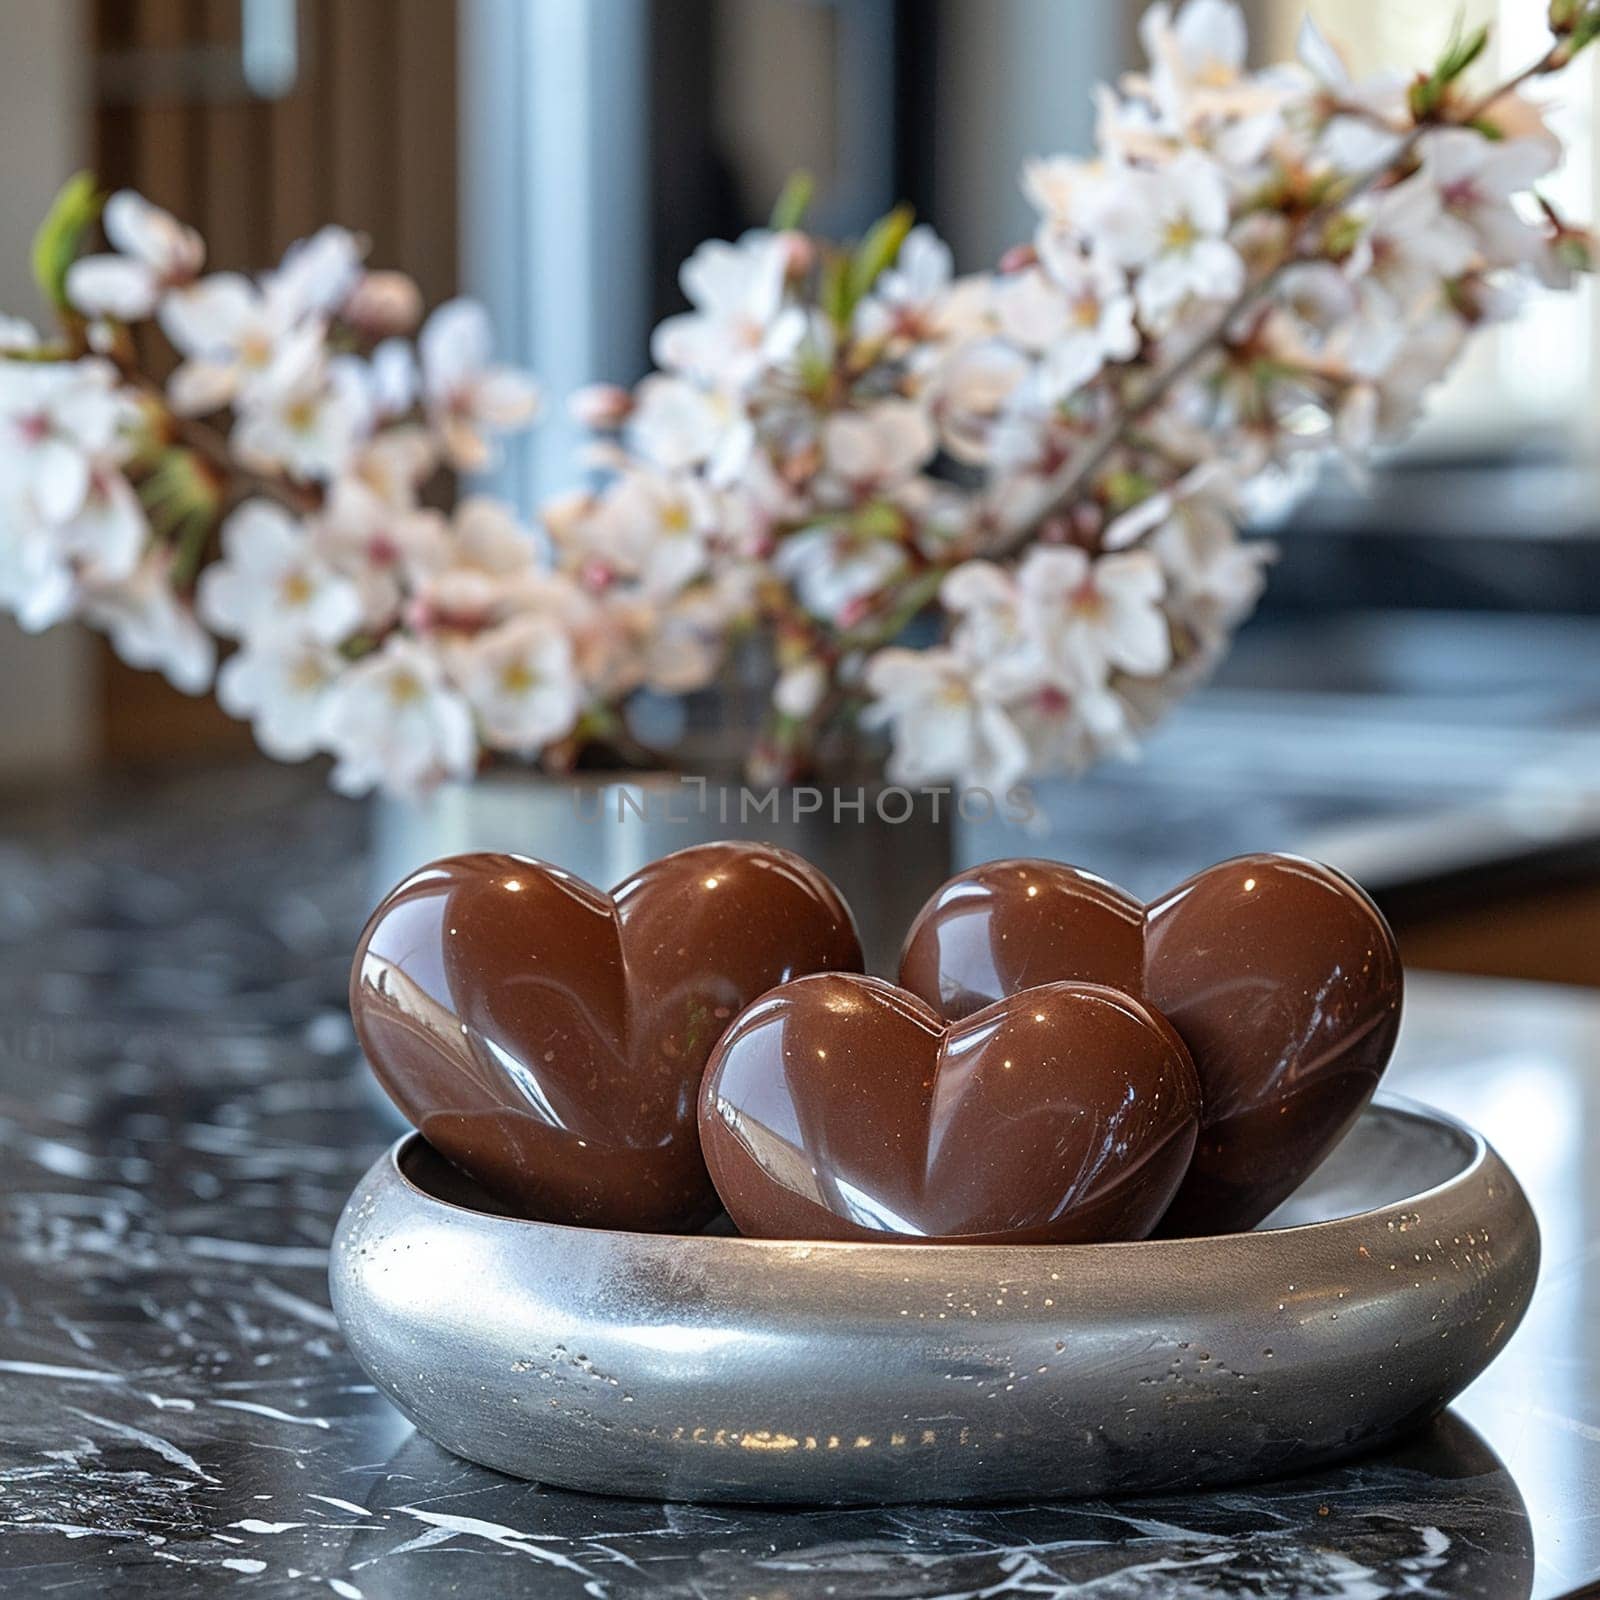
(212, 447)
(1064, 492)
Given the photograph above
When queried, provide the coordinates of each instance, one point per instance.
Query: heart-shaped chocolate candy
(842, 1107)
(1281, 975)
(549, 1038)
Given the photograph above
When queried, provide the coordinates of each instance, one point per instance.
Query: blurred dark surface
(1516, 533)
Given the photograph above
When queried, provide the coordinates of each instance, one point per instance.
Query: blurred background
(1419, 697)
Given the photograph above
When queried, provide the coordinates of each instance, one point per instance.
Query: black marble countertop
(182, 1114)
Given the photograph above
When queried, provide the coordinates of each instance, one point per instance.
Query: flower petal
(210, 317)
(112, 286)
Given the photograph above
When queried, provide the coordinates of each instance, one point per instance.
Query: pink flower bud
(596, 575)
(853, 612)
(383, 304)
(799, 253)
(601, 405)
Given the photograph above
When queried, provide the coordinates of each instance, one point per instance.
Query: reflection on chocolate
(842, 1107)
(549, 1038)
(1280, 974)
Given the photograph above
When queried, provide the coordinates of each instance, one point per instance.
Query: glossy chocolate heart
(549, 1038)
(842, 1107)
(1280, 974)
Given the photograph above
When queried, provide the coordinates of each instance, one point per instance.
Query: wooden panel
(358, 93)
(163, 133)
(297, 155)
(1552, 935)
(232, 139)
(425, 145)
(367, 137)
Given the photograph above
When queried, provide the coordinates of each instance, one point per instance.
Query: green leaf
(182, 500)
(1575, 253)
(1462, 51)
(1426, 95)
(878, 520)
(878, 250)
(1125, 489)
(834, 290)
(795, 200)
(55, 246)
(1342, 234)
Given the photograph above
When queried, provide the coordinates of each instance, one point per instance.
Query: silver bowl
(718, 1368)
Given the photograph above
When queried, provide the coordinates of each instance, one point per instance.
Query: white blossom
(678, 425)
(988, 623)
(871, 451)
(18, 336)
(1213, 577)
(318, 275)
(1405, 252)
(833, 570)
(737, 292)
(799, 689)
(271, 580)
(683, 643)
(308, 419)
(656, 528)
(942, 727)
(912, 288)
(1476, 180)
(918, 300)
(44, 565)
(1365, 128)
(1088, 616)
(154, 252)
(37, 585)
(1069, 727)
(1202, 49)
(238, 338)
(278, 683)
(56, 420)
(470, 397)
(972, 390)
(1172, 226)
(1076, 318)
(105, 538)
(521, 680)
(1055, 185)
(385, 548)
(393, 721)
(493, 569)
(393, 463)
(152, 628)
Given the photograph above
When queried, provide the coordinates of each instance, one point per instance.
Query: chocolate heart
(548, 1038)
(1280, 974)
(842, 1107)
